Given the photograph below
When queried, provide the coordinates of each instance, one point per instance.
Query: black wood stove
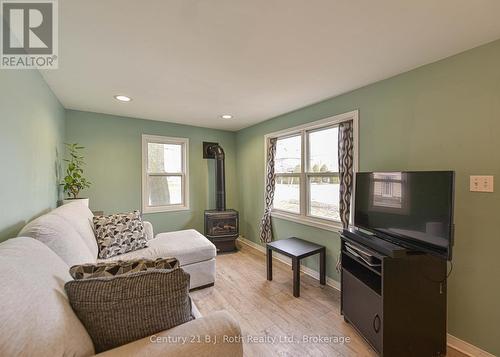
(221, 224)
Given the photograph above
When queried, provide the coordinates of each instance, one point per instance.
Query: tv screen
(414, 209)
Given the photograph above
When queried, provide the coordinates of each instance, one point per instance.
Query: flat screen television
(411, 208)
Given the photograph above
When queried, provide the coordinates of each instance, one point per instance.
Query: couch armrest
(217, 334)
(148, 227)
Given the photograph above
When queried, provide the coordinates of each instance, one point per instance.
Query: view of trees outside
(322, 159)
(323, 150)
(288, 152)
(163, 159)
(288, 161)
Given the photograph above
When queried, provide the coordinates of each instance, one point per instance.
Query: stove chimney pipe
(214, 151)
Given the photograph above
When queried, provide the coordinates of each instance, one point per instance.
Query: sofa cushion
(202, 273)
(194, 311)
(61, 237)
(148, 228)
(220, 337)
(188, 246)
(120, 267)
(119, 233)
(128, 307)
(79, 217)
(36, 318)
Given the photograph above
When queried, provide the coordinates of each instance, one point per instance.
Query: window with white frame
(165, 179)
(307, 173)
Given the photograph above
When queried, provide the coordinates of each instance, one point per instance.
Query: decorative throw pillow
(121, 309)
(100, 270)
(119, 233)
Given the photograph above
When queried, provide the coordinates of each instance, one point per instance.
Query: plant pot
(83, 201)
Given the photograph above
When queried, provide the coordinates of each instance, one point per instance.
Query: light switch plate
(481, 183)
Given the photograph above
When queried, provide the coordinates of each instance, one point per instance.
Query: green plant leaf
(74, 181)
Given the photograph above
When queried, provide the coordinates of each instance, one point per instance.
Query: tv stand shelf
(395, 299)
(375, 269)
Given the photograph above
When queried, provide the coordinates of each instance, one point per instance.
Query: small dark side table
(296, 249)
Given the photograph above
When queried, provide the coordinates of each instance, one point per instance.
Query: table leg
(269, 259)
(296, 276)
(322, 266)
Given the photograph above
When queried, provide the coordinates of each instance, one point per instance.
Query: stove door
(221, 226)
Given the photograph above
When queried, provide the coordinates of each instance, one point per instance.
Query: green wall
(114, 158)
(31, 138)
(445, 115)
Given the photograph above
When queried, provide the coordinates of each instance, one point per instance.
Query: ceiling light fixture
(123, 98)
(226, 116)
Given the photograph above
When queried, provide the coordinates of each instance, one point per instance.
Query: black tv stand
(393, 296)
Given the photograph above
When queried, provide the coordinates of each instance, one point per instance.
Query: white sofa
(68, 231)
(36, 318)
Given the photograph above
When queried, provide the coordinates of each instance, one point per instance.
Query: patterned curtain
(266, 234)
(346, 160)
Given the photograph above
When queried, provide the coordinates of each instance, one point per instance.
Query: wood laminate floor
(277, 322)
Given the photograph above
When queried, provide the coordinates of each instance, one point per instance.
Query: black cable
(451, 269)
(445, 278)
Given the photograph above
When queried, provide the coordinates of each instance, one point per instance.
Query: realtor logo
(29, 34)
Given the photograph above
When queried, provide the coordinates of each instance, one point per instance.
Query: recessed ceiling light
(123, 98)
(226, 116)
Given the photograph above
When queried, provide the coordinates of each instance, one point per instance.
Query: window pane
(287, 194)
(288, 153)
(165, 190)
(323, 150)
(164, 158)
(324, 197)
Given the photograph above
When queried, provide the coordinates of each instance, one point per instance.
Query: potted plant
(74, 181)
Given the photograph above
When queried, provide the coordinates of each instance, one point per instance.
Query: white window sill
(173, 208)
(309, 221)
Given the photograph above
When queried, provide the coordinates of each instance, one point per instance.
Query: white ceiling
(189, 61)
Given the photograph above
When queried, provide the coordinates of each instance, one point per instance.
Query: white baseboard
(452, 341)
(466, 348)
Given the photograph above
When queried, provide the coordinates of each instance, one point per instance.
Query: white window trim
(185, 166)
(304, 218)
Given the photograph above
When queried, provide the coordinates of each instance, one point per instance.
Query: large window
(307, 172)
(165, 174)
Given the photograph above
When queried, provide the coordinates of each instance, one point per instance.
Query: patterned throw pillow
(120, 267)
(121, 309)
(119, 233)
